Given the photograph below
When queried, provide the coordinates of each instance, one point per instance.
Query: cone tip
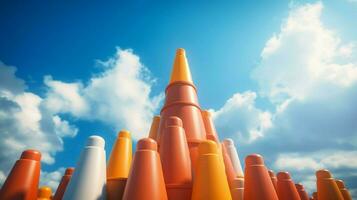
(69, 171)
(323, 173)
(207, 147)
(124, 133)
(254, 159)
(147, 144)
(340, 184)
(283, 176)
(96, 141)
(180, 51)
(228, 142)
(174, 121)
(31, 154)
(271, 173)
(44, 192)
(299, 186)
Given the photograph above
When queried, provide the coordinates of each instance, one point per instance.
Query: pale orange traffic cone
(345, 193)
(143, 183)
(257, 182)
(237, 190)
(175, 159)
(286, 188)
(154, 129)
(327, 187)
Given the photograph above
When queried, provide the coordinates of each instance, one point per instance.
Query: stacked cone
(63, 184)
(181, 101)
(182, 159)
(89, 179)
(119, 166)
(286, 188)
(22, 182)
(44, 193)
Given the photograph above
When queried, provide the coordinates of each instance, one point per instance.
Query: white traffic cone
(89, 179)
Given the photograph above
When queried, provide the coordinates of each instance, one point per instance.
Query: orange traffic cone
(119, 165)
(345, 193)
(181, 101)
(153, 134)
(63, 184)
(286, 188)
(237, 190)
(175, 159)
(314, 195)
(44, 193)
(326, 186)
(143, 183)
(273, 178)
(257, 182)
(22, 182)
(210, 182)
(302, 192)
(211, 132)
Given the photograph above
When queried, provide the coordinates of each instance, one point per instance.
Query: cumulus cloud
(25, 123)
(239, 118)
(119, 96)
(309, 74)
(52, 179)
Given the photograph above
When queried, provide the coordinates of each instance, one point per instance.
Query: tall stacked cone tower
(182, 158)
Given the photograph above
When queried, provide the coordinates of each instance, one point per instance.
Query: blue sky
(279, 76)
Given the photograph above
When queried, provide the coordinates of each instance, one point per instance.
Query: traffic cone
(44, 193)
(326, 186)
(153, 134)
(314, 196)
(175, 159)
(302, 192)
(22, 182)
(230, 173)
(89, 179)
(286, 188)
(115, 188)
(273, 178)
(257, 182)
(237, 190)
(120, 157)
(181, 101)
(63, 184)
(211, 132)
(233, 155)
(146, 180)
(210, 182)
(345, 193)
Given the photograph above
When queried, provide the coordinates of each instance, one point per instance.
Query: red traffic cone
(22, 182)
(273, 178)
(326, 186)
(345, 193)
(146, 180)
(63, 184)
(302, 193)
(286, 188)
(257, 182)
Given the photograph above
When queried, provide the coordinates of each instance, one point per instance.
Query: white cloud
(52, 179)
(309, 74)
(239, 117)
(119, 96)
(25, 123)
